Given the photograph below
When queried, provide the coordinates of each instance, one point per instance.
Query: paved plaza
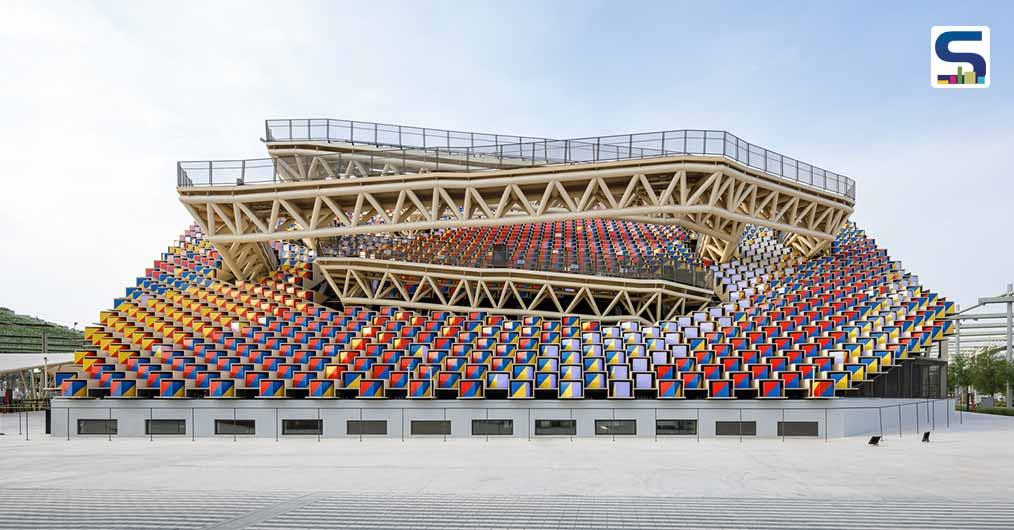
(961, 478)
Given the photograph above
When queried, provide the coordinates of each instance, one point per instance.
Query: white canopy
(15, 362)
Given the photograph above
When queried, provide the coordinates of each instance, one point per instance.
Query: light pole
(989, 328)
(1010, 333)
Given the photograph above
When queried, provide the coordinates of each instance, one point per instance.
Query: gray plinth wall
(197, 417)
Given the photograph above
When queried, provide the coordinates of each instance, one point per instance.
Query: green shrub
(1000, 411)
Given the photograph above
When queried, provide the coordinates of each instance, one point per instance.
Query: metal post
(151, 417)
(234, 423)
(825, 425)
(880, 411)
(108, 434)
(276, 424)
(957, 351)
(46, 361)
(193, 425)
(28, 430)
(1010, 335)
(916, 418)
(899, 421)
(68, 424)
(698, 429)
(740, 425)
(783, 424)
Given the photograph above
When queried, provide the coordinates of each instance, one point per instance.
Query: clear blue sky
(100, 100)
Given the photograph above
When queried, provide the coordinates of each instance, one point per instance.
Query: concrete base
(826, 418)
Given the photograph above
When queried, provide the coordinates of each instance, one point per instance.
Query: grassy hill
(23, 334)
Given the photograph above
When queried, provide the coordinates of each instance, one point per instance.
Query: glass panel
(609, 427)
(559, 427)
(492, 427)
(695, 142)
(235, 427)
(676, 427)
(366, 427)
(152, 427)
(427, 427)
(798, 428)
(310, 427)
(104, 427)
(735, 428)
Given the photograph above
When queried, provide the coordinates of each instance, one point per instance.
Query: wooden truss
(360, 281)
(712, 196)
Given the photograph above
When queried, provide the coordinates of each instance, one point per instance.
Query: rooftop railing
(383, 134)
(446, 150)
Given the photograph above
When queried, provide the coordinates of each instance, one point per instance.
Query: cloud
(100, 101)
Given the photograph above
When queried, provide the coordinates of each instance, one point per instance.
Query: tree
(1009, 375)
(989, 372)
(959, 377)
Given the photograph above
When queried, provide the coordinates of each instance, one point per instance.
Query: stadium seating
(593, 246)
(816, 329)
(761, 257)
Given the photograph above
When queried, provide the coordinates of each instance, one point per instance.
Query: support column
(732, 245)
(1010, 334)
(957, 351)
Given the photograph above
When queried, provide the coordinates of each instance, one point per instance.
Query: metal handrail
(645, 268)
(575, 150)
(465, 151)
(382, 134)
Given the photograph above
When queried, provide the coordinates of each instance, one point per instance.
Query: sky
(100, 99)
